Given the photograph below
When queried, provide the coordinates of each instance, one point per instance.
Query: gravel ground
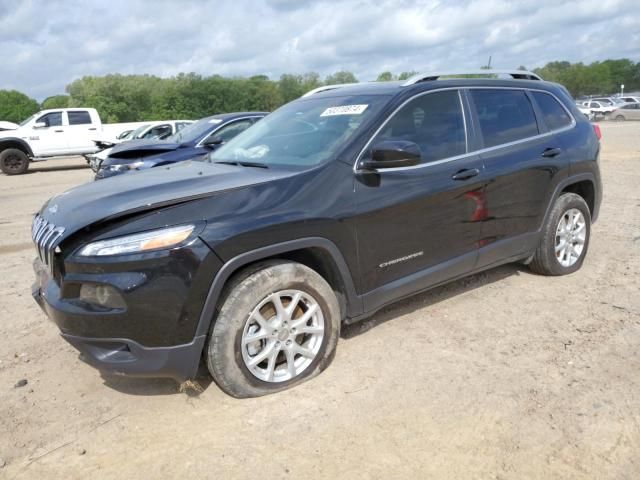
(503, 375)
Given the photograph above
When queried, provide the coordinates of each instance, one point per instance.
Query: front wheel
(13, 161)
(620, 118)
(277, 326)
(565, 237)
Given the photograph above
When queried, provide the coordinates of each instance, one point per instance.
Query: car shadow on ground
(431, 297)
(159, 386)
(54, 168)
(427, 299)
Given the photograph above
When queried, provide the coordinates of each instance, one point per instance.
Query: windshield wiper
(243, 163)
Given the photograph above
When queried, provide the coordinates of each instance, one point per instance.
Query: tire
(253, 294)
(620, 118)
(13, 161)
(550, 257)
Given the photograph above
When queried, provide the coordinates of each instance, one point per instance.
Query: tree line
(128, 98)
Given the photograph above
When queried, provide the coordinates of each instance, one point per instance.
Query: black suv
(335, 205)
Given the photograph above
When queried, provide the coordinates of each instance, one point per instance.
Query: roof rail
(427, 77)
(329, 87)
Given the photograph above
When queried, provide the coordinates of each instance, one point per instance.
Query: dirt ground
(503, 375)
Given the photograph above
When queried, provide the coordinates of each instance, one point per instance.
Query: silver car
(630, 111)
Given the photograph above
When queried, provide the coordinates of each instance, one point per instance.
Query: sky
(46, 44)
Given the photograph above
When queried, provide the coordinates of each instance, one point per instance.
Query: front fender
(15, 142)
(354, 302)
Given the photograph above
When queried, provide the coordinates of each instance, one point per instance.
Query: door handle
(551, 152)
(94, 128)
(466, 174)
(59, 131)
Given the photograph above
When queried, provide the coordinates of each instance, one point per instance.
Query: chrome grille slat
(45, 235)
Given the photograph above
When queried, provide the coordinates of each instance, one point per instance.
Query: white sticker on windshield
(344, 110)
(215, 120)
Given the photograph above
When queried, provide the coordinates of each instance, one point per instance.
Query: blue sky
(44, 45)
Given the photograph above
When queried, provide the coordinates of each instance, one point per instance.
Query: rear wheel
(620, 118)
(277, 326)
(13, 161)
(565, 237)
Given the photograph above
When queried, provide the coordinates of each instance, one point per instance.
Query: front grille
(45, 235)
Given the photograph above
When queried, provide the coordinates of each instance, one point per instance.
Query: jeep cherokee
(333, 206)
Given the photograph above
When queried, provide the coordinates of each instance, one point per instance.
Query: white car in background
(584, 110)
(630, 99)
(151, 130)
(599, 108)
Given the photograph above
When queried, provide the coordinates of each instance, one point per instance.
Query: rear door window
(79, 118)
(554, 115)
(504, 115)
(434, 121)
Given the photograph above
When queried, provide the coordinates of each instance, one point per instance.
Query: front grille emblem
(46, 236)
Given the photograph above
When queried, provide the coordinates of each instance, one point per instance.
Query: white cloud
(45, 45)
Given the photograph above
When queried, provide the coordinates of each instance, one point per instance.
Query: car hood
(141, 148)
(108, 199)
(18, 132)
(8, 125)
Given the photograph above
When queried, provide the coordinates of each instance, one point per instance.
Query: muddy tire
(565, 237)
(277, 325)
(13, 161)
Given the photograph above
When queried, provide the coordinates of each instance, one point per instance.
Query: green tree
(340, 77)
(15, 106)
(294, 86)
(385, 77)
(406, 75)
(56, 101)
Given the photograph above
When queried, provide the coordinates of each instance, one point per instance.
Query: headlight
(122, 167)
(139, 242)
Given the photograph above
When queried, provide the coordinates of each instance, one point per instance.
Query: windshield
(24, 122)
(302, 133)
(195, 131)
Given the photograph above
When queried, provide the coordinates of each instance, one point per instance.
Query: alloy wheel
(282, 336)
(571, 235)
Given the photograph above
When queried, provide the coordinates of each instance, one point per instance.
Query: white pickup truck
(57, 132)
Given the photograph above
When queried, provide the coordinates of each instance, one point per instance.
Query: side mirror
(213, 142)
(39, 125)
(393, 154)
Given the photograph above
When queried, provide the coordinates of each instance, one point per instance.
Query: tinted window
(53, 119)
(554, 115)
(158, 131)
(434, 121)
(79, 118)
(504, 115)
(227, 132)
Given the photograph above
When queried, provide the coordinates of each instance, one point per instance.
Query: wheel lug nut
(293, 330)
(277, 344)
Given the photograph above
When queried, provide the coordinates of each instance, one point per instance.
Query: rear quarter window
(504, 115)
(553, 114)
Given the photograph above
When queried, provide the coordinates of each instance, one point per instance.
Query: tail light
(596, 128)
